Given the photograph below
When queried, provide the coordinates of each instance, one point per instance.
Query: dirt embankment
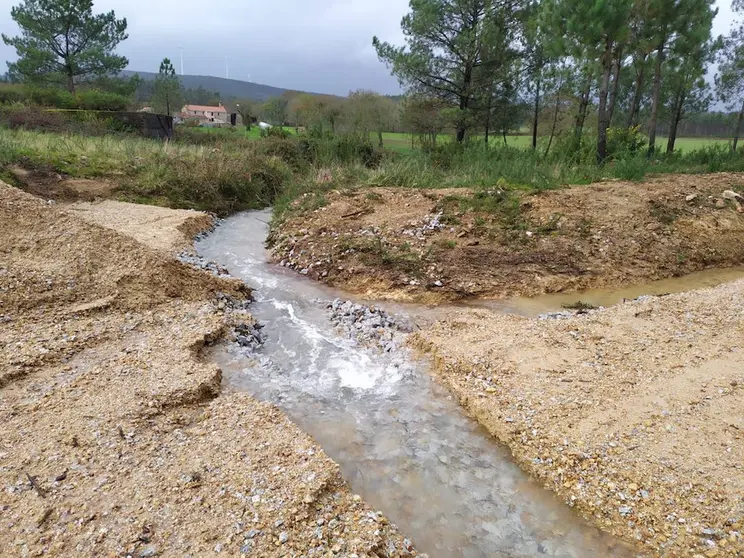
(116, 438)
(632, 414)
(433, 245)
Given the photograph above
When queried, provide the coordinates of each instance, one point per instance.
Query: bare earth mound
(632, 414)
(432, 245)
(115, 438)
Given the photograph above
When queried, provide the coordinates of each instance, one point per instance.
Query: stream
(401, 441)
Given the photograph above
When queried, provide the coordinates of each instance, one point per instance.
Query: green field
(399, 141)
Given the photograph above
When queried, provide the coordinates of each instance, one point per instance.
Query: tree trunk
(655, 100)
(464, 103)
(70, 80)
(535, 114)
(583, 105)
(488, 117)
(555, 119)
(602, 112)
(379, 137)
(635, 104)
(503, 133)
(676, 117)
(738, 128)
(615, 84)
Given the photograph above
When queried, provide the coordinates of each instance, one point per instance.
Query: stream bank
(119, 437)
(436, 245)
(342, 372)
(631, 413)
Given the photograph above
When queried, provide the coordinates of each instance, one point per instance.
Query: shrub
(19, 116)
(101, 100)
(288, 149)
(10, 93)
(622, 141)
(48, 97)
(275, 132)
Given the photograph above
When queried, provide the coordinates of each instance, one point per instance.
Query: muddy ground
(632, 414)
(117, 437)
(447, 244)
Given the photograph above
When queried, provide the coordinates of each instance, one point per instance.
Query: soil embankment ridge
(117, 438)
(632, 414)
(449, 244)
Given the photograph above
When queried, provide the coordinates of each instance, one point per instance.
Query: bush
(275, 132)
(19, 116)
(10, 93)
(623, 141)
(100, 100)
(288, 149)
(47, 97)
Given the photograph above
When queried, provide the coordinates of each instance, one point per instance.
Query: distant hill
(225, 87)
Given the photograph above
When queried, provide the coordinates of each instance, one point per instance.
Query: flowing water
(401, 442)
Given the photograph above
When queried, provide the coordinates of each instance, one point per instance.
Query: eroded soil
(434, 245)
(632, 414)
(116, 436)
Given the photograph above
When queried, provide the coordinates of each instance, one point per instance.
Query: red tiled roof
(202, 108)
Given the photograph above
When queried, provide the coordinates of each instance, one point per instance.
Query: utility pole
(181, 47)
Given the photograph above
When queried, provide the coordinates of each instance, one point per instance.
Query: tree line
(637, 61)
(578, 68)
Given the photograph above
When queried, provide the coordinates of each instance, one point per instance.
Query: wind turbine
(181, 47)
(227, 69)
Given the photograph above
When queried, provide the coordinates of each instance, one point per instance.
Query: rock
(438, 283)
(653, 226)
(304, 271)
(246, 548)
(625, 510)
(283, 537)
(731, 195)
(252, 533)
(691, 197)
(148, 551)
(720, 204)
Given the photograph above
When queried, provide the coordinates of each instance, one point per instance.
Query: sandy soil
(117, 439)
(389, 243)
(632, 414)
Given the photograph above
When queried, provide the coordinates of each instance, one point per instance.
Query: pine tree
(63, 42)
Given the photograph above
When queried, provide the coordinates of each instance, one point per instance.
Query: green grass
(172, 174)
(399, 141)
(222, 170)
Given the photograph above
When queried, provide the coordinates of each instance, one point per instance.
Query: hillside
(226, 87)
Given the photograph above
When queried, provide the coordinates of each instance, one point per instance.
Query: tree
(730, 80)
(276, 110)
(65, 42)
(245, 108)
(370, 112)
(685, 85)
(454, 50)
(675, 22)
(423, 117)
(167, 93)
(597, 29)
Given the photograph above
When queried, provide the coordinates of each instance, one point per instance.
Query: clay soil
(632, 414)
(117, 438)
(380, 242)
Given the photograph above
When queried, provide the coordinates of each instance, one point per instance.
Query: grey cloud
(314, 45)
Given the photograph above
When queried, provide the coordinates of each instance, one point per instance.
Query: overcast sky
(324, 46)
